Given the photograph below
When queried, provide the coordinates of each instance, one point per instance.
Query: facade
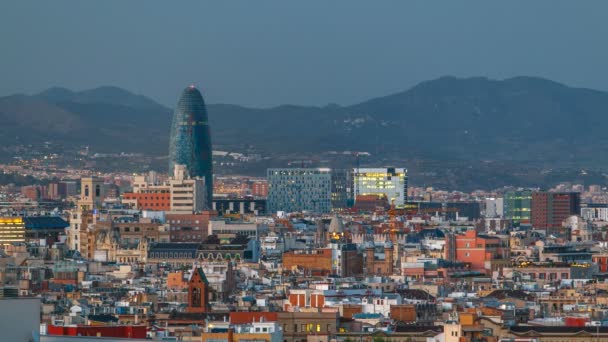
(160, 201)
(550, 209)
(299, 326)
(181, 254)
(227, 229)
(390, 182)
(475, 250)
(341, 188)
(190, 141)
(494, 208)
(299, 189)
(189, 227)
(316, 262)
(457, 210)
(91, 193)
(259, 189)
(340, 259)
(243, 206)
(12, 230)
(47, 228)
(66, 189)
(188, 195)
(261, 331)
(78, 239)
(132, 233)
(379, 263)
(198, 292)
(106, 332)
(594, 211)
(517, 206)
(181, 194)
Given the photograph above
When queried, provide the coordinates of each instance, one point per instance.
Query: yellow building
(12, 230)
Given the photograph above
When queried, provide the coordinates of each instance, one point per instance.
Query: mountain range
(521, 119)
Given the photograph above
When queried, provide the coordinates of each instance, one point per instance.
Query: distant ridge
(517, 119)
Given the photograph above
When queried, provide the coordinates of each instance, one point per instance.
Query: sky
(266, 53)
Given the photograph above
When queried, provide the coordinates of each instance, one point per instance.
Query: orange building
(317, 262)
(344, 260)
(474, 250)
(160, 201)
(348, 310)
(176, 281)
(403, 313)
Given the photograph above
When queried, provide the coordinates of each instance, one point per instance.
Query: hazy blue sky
(263, 53)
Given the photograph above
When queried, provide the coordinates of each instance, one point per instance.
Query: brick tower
(198, 292)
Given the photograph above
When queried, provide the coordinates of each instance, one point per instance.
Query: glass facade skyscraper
(190, 141)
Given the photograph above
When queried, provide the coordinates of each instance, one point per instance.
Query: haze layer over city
(317, 171)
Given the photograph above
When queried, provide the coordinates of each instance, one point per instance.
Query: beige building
(186, 195)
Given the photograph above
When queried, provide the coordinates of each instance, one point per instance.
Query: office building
(12, 230)
(66, 189)
(594, 211)
(517, 206)
(190, 141)
(259, 189)
(188, 195)
(180, 194)
(550, 209)
(390, 182)
(299, 189)
(341, 188)
(494, 207)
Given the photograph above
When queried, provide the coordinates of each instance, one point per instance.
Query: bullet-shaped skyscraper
(190, 141)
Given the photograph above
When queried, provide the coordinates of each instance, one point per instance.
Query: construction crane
(393, 221)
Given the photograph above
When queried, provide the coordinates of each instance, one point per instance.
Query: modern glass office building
(190, 141)
(12, 230)
(518, 206)
(391, 182)
(299, 189)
